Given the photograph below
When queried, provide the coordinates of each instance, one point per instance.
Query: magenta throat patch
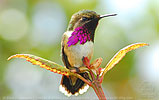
(80, 34)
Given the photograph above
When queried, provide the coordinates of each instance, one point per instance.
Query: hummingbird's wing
(65, 59)
(64, 56)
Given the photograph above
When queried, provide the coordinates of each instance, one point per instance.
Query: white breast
(78, 51)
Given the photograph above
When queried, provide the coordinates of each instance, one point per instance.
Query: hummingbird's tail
(69, 88)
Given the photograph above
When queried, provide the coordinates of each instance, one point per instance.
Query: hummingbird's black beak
(107, 15)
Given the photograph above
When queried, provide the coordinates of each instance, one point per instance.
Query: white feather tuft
(63, 90)
(84, 89)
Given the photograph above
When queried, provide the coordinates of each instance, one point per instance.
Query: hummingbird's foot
(86, 62)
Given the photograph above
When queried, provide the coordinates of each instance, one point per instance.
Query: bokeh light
(13, 24)
(49, 22)
(148, 64)
(128, 11)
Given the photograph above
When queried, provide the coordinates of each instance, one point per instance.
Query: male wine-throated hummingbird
(77, 43)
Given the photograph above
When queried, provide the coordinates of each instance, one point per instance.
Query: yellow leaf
(120, 54)
(43, 63)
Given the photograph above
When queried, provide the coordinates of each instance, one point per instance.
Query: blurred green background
(36, 27)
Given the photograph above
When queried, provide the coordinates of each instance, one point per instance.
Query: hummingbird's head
(83, 25)
(85, 17)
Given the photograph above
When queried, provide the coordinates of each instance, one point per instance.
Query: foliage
(96, 79)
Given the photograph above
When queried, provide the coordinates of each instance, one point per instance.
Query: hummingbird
(77, 42)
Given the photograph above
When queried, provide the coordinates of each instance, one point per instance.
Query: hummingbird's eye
(85, 19)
